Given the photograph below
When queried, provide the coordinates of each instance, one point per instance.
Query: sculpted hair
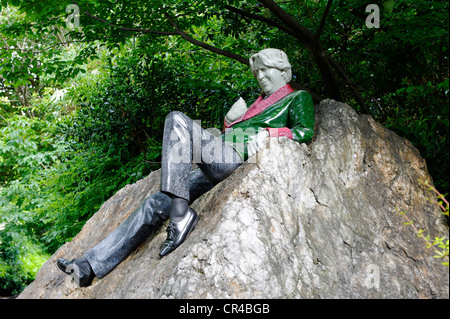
(274, 58)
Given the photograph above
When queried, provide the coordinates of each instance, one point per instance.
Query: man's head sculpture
(271, 68)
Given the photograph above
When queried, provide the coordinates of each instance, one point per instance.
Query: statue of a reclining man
(279, 111)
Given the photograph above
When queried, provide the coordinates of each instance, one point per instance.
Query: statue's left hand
(257, 143)
(237, 110)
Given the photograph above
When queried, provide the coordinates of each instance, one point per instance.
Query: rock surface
(302, 221)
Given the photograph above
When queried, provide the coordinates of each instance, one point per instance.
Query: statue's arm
(302, 118)
(236, 111)
(300, 126)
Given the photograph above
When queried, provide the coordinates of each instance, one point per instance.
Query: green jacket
(291, 115)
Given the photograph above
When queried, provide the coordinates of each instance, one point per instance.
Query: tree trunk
(326, 71)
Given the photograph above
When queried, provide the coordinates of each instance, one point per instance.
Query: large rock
(317, 221)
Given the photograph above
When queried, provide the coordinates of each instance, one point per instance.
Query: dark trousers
(184, 142)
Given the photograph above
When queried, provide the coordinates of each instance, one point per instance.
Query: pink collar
(261, 104)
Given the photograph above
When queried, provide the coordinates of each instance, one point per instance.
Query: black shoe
(64, 263)
(178, 231)
(79, 269)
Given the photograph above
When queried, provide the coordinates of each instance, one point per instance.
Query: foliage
(82, 108)
(26, 141)
(371, 66)
(20, 259)
(132, 106)
(27, 146)
(29, 58)
(111, 138)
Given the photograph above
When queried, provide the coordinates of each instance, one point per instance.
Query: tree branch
(86, 40)
(204, 45)
(312, 43)
(260, 18)
(324, 17)
(300, 32)
(177, 31)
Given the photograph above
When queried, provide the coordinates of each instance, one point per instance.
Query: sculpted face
(270, 79)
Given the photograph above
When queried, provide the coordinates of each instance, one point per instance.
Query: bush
(20, 260)
(110, 136)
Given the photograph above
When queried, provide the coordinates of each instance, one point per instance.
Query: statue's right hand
(236, 111)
